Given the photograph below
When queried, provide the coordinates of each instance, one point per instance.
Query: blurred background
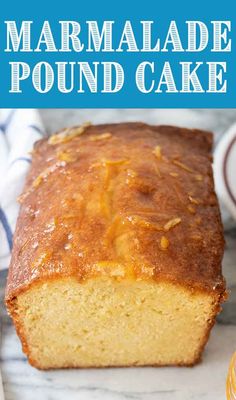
(216, 120)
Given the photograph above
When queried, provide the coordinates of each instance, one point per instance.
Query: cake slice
(118, 248)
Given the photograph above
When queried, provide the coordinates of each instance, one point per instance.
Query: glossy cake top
(127, 200)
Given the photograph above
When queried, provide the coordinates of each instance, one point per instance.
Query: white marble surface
(205, 381)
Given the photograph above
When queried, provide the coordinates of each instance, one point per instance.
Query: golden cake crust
(128, 194)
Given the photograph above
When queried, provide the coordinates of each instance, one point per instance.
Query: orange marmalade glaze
(101, 197)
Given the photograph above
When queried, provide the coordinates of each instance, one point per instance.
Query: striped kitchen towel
(19, 129)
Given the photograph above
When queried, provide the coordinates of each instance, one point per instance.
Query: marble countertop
(205, 381)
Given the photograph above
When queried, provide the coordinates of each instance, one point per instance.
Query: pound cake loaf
(118, 248)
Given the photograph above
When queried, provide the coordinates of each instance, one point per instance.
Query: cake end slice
(104, 322)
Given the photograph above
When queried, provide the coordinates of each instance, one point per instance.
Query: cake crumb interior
(106, 322)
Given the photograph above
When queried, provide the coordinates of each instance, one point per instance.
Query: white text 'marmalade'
(195, 36)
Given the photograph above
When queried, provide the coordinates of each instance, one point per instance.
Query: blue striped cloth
(19, 129)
